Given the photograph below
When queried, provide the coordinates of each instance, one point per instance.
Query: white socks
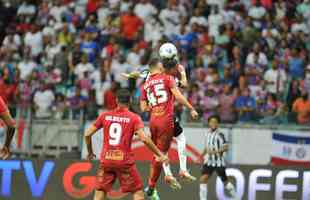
(167, 169)
(181, 143)
(203, 192)
(231, 189)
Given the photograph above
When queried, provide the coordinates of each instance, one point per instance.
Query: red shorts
(129, 178)
(162, 131)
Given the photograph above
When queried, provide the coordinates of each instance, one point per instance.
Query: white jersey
(215, 140)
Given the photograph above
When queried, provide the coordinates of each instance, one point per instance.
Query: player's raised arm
(183, 81)
(181, 99)
(149, 143)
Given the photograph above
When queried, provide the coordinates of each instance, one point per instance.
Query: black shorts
(177, 127)
(220, 171)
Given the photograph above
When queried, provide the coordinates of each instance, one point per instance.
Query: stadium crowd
(247, 60)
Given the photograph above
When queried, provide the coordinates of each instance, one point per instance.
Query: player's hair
(123, 96)
(153, 63)
(214, 117)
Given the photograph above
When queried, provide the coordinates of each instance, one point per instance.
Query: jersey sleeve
(143, 96)
(171, 82)
(3, 107)
(138, 123)
(99, 121)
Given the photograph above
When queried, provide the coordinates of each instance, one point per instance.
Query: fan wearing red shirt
(116, 160)
(157, 96)
(130, 27)
(6, 117)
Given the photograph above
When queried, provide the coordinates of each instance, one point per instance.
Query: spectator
(296, 65)
(226, 109)
(275, 79)
(210, 104)
(77, 103)
(245, 106)
(145, 10)
(83, 67)
(215, 20)
(34, 39)
(43, 100)
(110, 102)
(257, 12)
(130, 27)
(257, 57)
(89, 47)
(26, 66)
(301, 107)
(170, 17)
(59, 107)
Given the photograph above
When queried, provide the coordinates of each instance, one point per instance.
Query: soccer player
(6, 117)
(214, 154)
(168, 55)
(157, 97)
(119, 126)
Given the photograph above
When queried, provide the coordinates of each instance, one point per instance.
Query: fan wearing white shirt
(34, 39)
(43, 100)
(170, 17)
(262, 58)
(26, 67)
(215, 20)
(83, 67)
(198, 18)
(275, 79)
(257, 12)
(145, 10)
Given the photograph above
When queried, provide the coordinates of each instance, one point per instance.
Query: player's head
(168, 54)
(213, 121)
(155, 65)
(123, 97)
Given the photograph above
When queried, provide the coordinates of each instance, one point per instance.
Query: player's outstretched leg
(99, 195)
(181, 144)
(155, 171)
(203, 189)
(170, 179)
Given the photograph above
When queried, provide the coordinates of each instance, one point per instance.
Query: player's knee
(204, 179)
(139, 195)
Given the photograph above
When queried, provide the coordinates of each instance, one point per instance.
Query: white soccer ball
(167, 51)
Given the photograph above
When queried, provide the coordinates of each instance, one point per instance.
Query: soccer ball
(168, 51)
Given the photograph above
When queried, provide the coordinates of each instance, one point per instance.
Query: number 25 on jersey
(158, 96)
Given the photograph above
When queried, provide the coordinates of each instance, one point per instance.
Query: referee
(214, 158)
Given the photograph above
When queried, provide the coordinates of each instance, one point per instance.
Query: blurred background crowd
(246, 60)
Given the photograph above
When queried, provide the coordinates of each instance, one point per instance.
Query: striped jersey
(215, 140)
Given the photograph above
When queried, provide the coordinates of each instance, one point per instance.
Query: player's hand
(133, 75)
(5, 153)
(163, 159)
(91, 156)
(194, 114)
(181, 69)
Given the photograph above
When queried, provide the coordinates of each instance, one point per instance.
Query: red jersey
(119, 126)
(3, 107)
(157, 92)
